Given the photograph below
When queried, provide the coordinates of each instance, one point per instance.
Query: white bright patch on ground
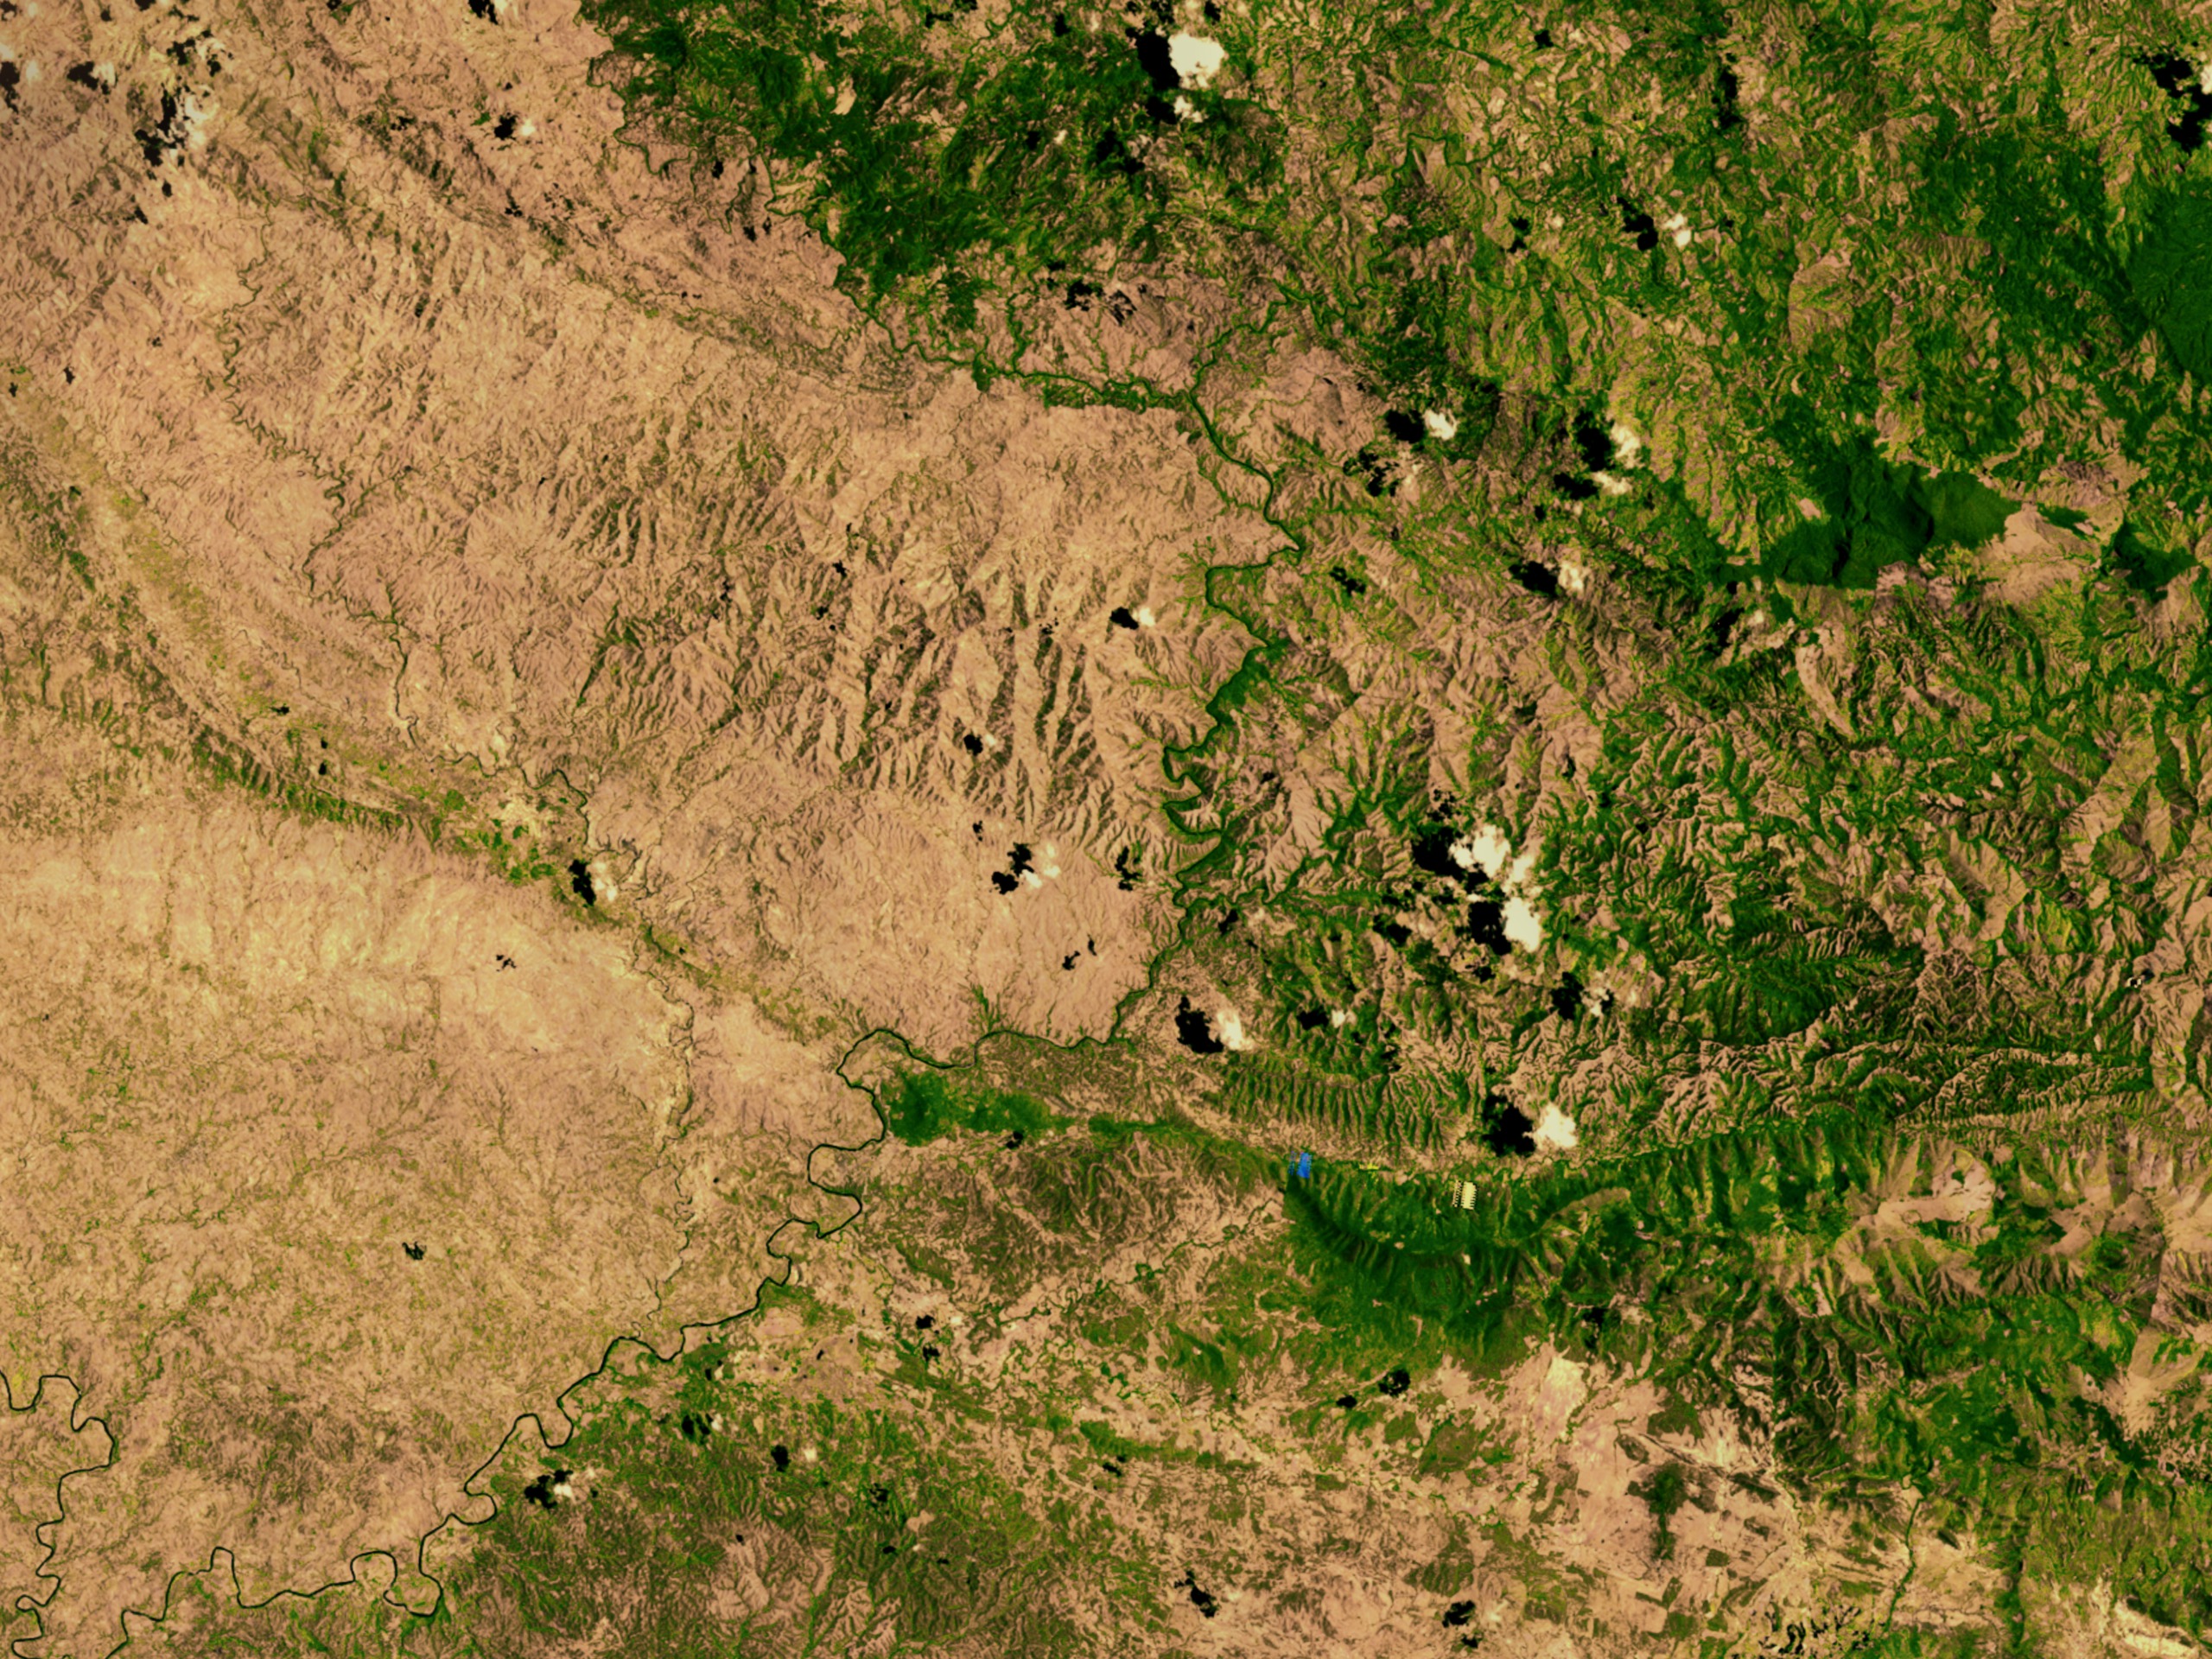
(1810, 508)
(1556, 1128)
(1232, 1028)
(1572, 577)
(1522, 926)
(846, 98)
(1441, 426)
(1195, 59)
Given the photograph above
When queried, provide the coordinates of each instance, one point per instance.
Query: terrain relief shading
(1032, 829)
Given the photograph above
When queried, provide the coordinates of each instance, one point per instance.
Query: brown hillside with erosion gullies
(555, 517)
(456, 528)
(1185, 829)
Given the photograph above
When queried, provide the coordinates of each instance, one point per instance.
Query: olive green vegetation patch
(2144, 563)
(835, 1525)
(1664, 1492)
(1674, 1416)
(1994, 312)
(939, 163)
(926, 1106)
(1653, 1264)
(2171, 273)
(1962, 511)
(1877, 513)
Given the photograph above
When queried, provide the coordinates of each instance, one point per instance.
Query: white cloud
(1231, 1027)
(1611, 485)
(1440, 425)
(1338, 1018)
(197, 112)
(1197, 59)
(1488, 848)
(1145, 618)
(1574, 577)
(1626, 444)
(1556, 1128)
